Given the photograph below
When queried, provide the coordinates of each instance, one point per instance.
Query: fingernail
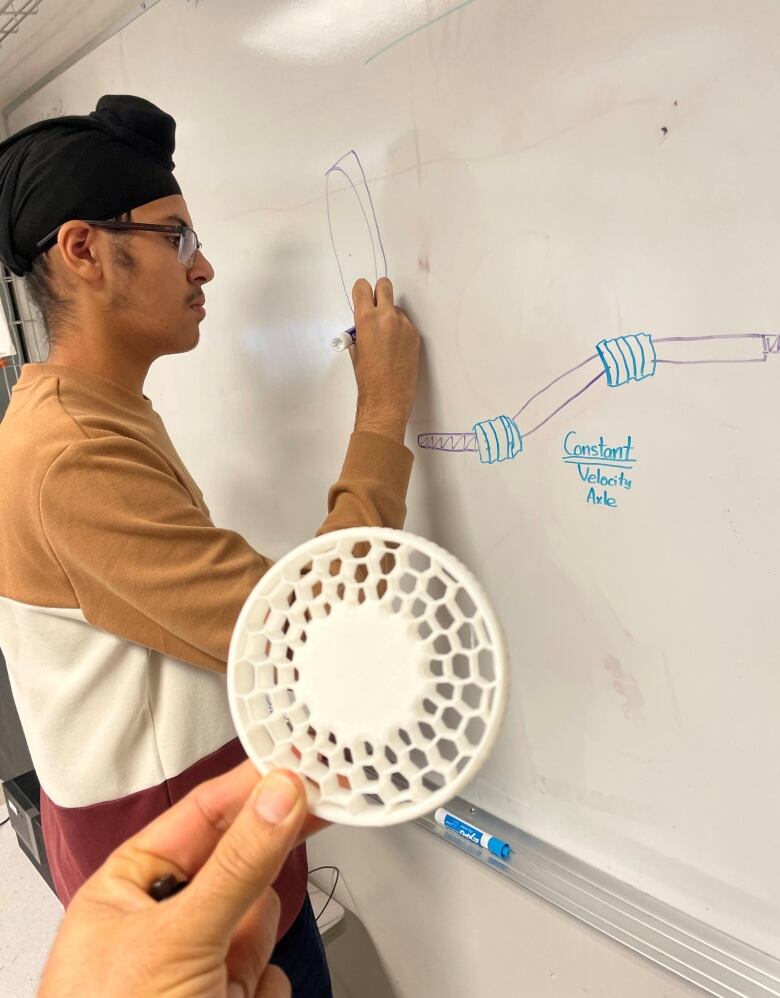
(235, 990)
(276, 798)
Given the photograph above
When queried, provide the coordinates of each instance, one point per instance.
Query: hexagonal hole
(318, 610)
(465, 603)
(472, 695)
(356, 595)
(407, 582)
(419, 561)
(425, 730)
(244, 677)
(424, 629)
(286, 675)
(436, 667)
(429, 706)
(445, 690)
(259, 706)
(451, 718)
(278, 652)
(280, 598)
(442, 645)
(281, 699)
(486, 665)
(305, 590)
(261, 741)
(418, 608)
(467, 635)
(299, 714)
(461, 667)
(279, 728)
(252, 647)
(447, 749)
(387, 563)
(386, 789)
(418, 758)
(304, 739)
(325, 564)
(296, 638)
(399, 781)
(474, 730)
(265, 676)
(390, 755)
(433, 779)
(436, 588)
(404, 735)
(444, 618)
(359, 753)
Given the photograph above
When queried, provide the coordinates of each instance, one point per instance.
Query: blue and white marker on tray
(495, 845)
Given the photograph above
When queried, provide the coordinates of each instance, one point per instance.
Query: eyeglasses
(188, 242)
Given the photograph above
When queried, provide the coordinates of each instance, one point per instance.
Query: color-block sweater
(118, 597)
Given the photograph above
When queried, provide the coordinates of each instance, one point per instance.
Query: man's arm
(146, 564)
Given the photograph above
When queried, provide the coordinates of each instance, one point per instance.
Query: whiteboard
(578, 205)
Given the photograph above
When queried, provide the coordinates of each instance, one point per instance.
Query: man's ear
(79, 248)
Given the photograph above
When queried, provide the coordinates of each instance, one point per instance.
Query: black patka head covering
(81, 166)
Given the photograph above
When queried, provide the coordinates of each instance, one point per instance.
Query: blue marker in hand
(497, 846)
(344, 340)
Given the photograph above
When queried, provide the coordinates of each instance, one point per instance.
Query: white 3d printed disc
(370, 662)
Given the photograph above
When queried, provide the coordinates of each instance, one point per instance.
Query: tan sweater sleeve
(146, 564)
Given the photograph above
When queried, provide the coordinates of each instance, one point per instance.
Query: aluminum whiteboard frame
(707, 957)
(688, 948)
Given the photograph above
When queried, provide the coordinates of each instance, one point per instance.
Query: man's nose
(201, 271)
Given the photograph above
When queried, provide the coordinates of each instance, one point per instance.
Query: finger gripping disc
(370, 662)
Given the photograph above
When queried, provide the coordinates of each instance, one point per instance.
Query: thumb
(247, 859)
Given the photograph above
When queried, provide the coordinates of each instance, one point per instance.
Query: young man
(118, 594)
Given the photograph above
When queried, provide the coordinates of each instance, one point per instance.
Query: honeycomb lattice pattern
(434, 704)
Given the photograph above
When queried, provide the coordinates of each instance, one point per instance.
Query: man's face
(156, 301)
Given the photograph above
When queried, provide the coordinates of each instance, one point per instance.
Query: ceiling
(48, 37)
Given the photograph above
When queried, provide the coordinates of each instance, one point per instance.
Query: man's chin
(186, 341)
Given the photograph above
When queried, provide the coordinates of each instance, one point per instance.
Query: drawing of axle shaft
(620, 361)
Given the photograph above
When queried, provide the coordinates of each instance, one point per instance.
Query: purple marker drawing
(351, 160)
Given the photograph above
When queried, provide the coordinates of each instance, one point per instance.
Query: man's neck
(128, 371)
